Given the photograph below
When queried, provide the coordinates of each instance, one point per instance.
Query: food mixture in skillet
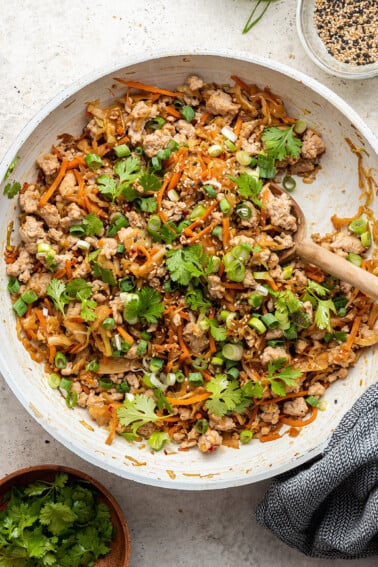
(148, 276)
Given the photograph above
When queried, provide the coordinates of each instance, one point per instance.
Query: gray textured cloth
(329, 508)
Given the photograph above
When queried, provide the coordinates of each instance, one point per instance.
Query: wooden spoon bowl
(119, 555)
(328, 261)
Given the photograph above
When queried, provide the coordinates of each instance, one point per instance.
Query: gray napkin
(329, 508)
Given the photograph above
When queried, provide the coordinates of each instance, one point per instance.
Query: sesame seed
(348, 29)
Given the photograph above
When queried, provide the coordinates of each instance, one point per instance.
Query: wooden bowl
(119, 555)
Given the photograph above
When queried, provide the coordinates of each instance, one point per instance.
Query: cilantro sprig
(317, 295)
(225, 395)
(145, 305)
(187, 264)
(249, 187)
(137, 412)
(281, 142)
(54, 523)
(279, 376)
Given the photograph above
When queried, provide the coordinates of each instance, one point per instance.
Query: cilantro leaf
(127, 169)
(11, 189)
(147, 306)
(281, 142)
(320, 290)
(148, 205)
(93, 226)
(195, 300)
(249, 187)
(107, 187)
(56, 290)
(137, 412)
(280, 377)
(218, 333)
(76, 286)
(184, 264)
(225, 395)
(150, 182)
(323, 313)
(57, 517)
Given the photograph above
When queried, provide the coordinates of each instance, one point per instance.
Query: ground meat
(270, 354)
(49, 164)
(279, 210)
(39, 282)
(346, 244)
(185, 128)
(296, 407)
(195, 337)
(29, 199)
(108, 248)
(143, 110)
(22, 267)
(135, 219)
(221, 103)
(173, 209)
(50, 214)
(209, 441)
(116, 306)
(93, 129)
(302, 166)
(316, 389)
(68, 184)
(252, 145)
(341, 373)
(194, 82)
(216, 288)
(158, 140)
(31, 232)
(221, 423)
(270, 413)
(312, 145)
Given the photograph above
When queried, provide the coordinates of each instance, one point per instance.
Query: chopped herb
(11, 189)
(281, 142)
(188, 263)
(137, 412)
(146, 306)
(187, 113)
(249, 187)
(93, 226)
(225, 395)
(195, 300)
(57, 291)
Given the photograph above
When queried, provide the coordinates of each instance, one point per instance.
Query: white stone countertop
(45, 46)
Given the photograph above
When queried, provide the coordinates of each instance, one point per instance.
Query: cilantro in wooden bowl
(60, 517)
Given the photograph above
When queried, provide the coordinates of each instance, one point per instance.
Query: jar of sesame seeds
(340, 36)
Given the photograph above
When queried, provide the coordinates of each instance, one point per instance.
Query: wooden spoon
(328, 261)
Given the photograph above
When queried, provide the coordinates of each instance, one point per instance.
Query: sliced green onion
(142, 347)
(300, 126)
(199, 364)
(230, 146)
(118, 221)
(232, 352)
(233, 372)
(65, 384)
(216, 262)
(188, 113)
(197, 212)
(270, 321)
(243, 157)
(312, 401)
(235, 271)
(354, 259)
(224, 206)
(155, 163)
(210, 190)
(256, 300)
(157, 440)
(93, 161)
(224, 314)
(215, 150)
(92, 366)
(243, 211)
(60, 360)
(358, 226)
(300, 319)
(29, 296)
(241, 251)
(257, 324)
(156, 123)
(156, 364)
(120, 248)
(202, 426)
(366, 239)
(139, 151)
(13, 285)
(154, 223)
(163, 155)
(173, 195)
(20, 307)
(180, 377)
(77, 230)
(178, 104)
(229, 134)
(287, 272)
(217, 232)
(123, 387)
(289, 183)
(217, 361)
(122, 151)
(83, 245)
(108, 323)
(71, 399)
(53, 381)
(195, 378)
(127, 284)
(291, 333)
(173, 146)
(245, 436)
(105, 383)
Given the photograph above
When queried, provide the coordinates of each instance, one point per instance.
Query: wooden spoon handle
(338, 266)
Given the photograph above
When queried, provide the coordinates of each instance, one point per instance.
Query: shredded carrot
(228, 285)
(188, 401)
(213, 346)
(282, 398)
(114, 423)
(185, 351)
(54, 186)
(352, 335)
(159, 199)
(52, 353)
(298, 422)
(238, 125)
(207, 376)
(172, 111)
(314, 273)
(174, 180)
(125, 334)
(373, 316)
(148, 88)
(226, 231)
(270, 437)
(202, 232)
(60, 273)
(241, 83)
(68, 266)
(189, 229)
(41, 318)
(204, 118)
